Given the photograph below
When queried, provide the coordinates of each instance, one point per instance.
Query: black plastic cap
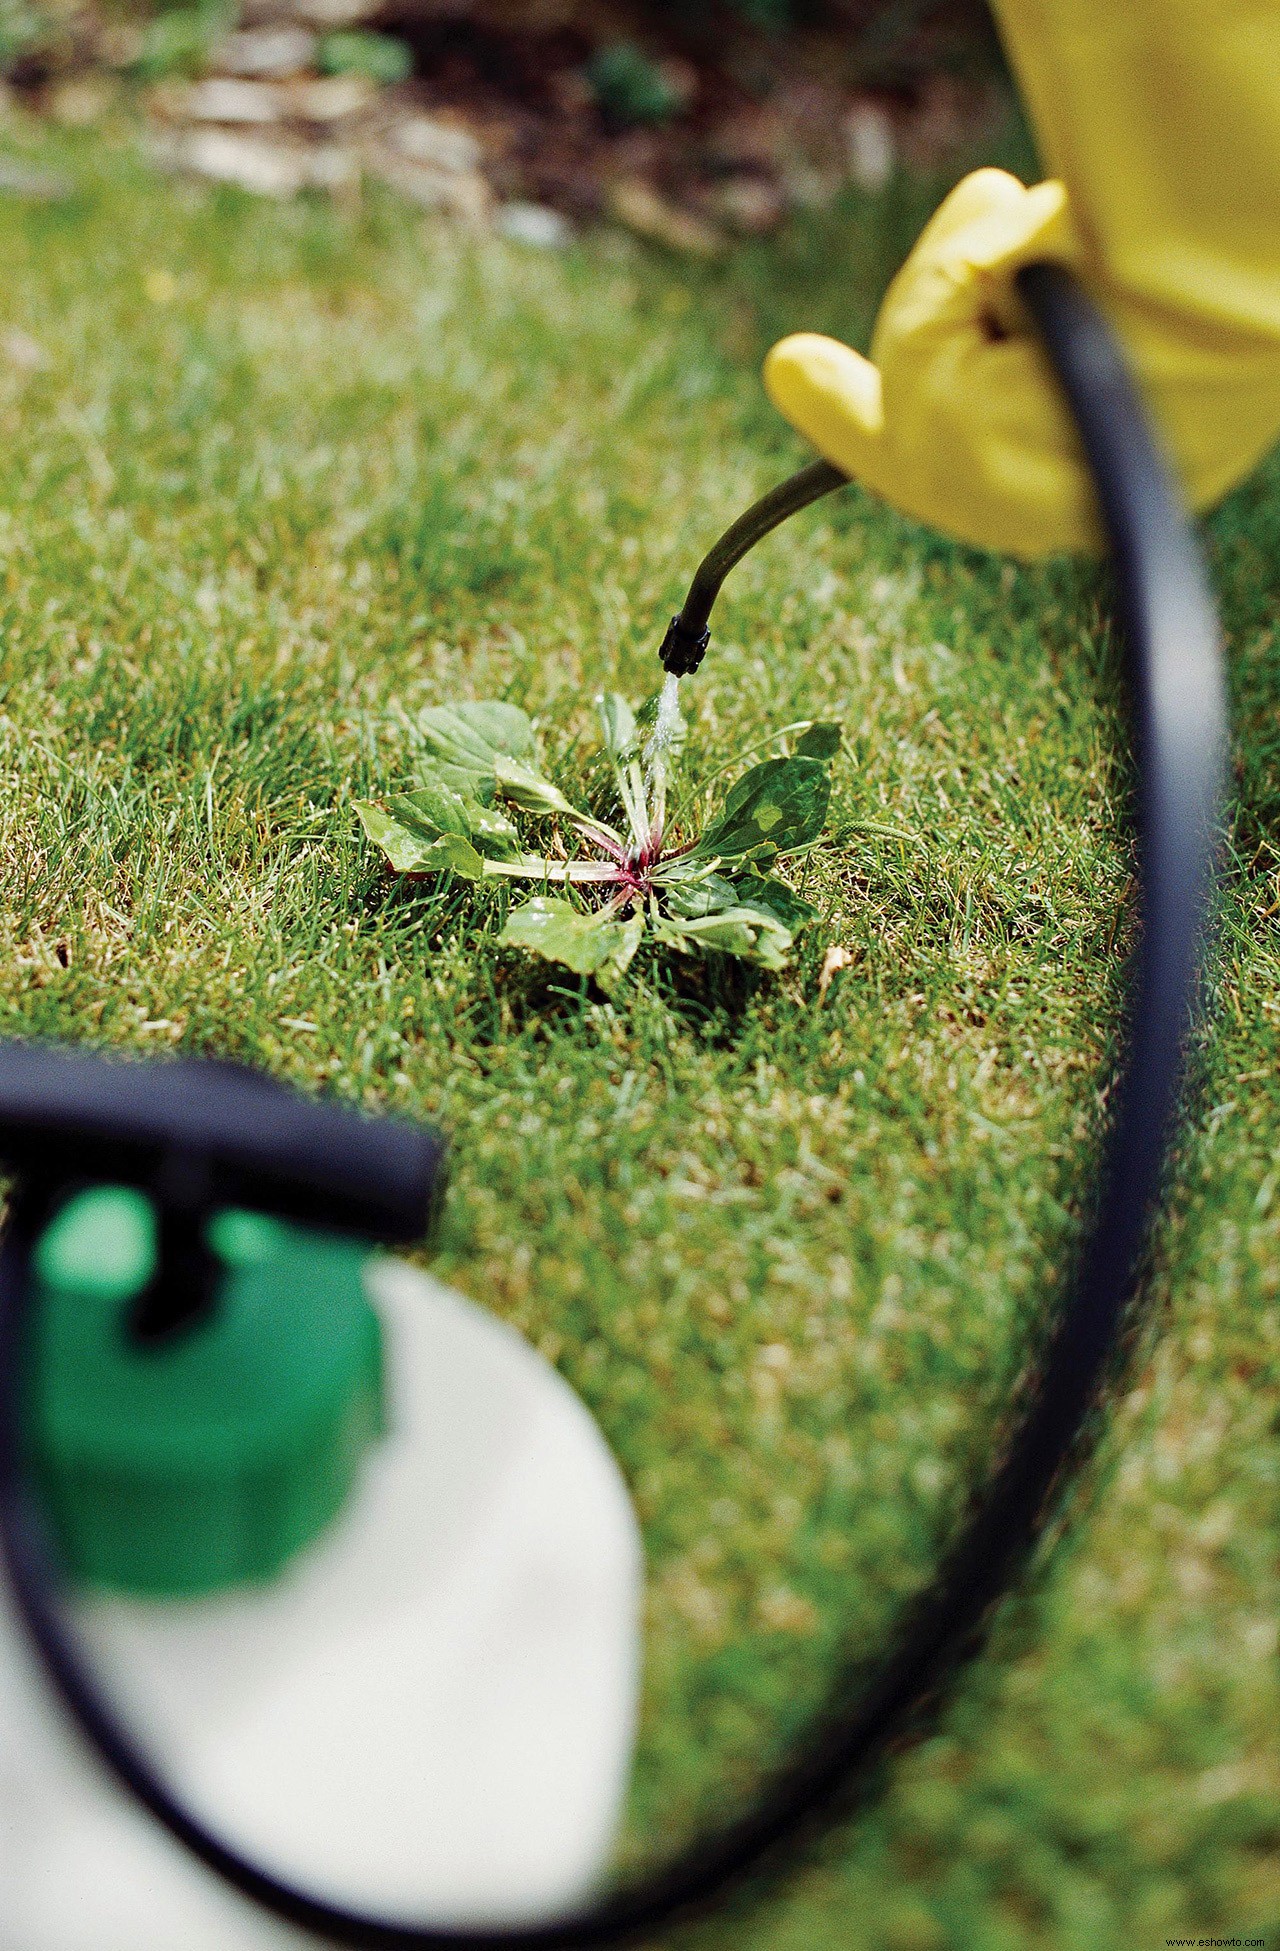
(682, 650)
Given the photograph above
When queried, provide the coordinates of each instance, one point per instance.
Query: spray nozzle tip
(683, 649)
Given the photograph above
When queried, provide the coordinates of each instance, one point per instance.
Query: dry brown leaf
(835, 959)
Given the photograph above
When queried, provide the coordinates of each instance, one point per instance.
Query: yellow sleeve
(1162, 118)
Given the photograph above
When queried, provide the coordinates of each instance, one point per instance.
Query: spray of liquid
(665, 726)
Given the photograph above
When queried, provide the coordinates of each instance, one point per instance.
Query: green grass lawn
(291, 473)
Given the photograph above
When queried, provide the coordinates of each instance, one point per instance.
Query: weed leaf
(434, 808)
(752, 934)
(777, 806)
(410, 847)
(722, 914)
(621, 738)
(590, 944)
(819, 742)
(436, 805)
(472, 736)
(529, 790)
(763, 891)
(710, 894)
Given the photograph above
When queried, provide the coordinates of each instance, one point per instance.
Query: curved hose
(688, 634)
(1177, 693)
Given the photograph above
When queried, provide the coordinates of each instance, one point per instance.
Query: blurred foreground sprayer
(346, 1551)
(1160, 122)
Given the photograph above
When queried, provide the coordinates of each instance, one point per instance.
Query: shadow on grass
(709, 999)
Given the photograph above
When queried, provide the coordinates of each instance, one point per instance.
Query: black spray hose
(1177, 695)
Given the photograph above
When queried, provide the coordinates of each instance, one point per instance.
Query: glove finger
(832, 395)
(996, 220)
(977, 196)
(961, 273)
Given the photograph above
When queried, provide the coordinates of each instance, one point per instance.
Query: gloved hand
(1162, 118)
(955, 418)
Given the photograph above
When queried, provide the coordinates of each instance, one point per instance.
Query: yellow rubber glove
(1162, 120)
(954, 418)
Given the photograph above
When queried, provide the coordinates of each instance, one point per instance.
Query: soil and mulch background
(690, 125)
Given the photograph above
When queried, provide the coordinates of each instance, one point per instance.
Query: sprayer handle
(67, 1117)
